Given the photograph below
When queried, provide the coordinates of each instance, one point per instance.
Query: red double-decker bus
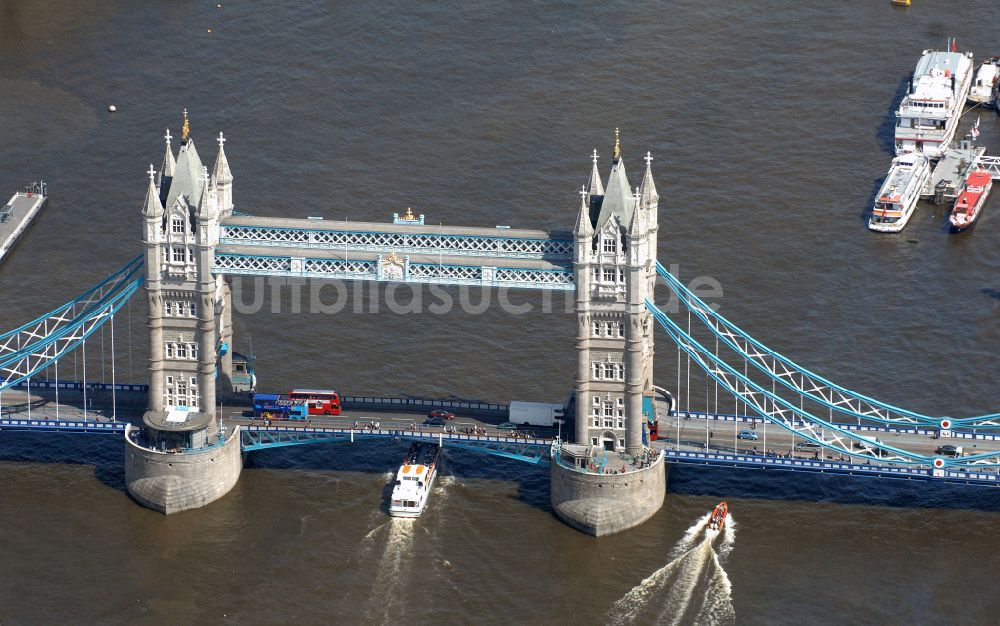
(319, 401)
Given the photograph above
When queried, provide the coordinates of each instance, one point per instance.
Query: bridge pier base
(605, 504)
(170, 482)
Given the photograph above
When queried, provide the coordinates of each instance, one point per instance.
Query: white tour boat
(899, 193)
(414, 480)
(983, 88)
(928, 115)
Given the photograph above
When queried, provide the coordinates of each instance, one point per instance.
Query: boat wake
(393, 569)
(692, 588)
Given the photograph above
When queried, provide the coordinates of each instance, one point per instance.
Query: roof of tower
(187, 176)
(618, 198)
(221, 172)
(152, 206)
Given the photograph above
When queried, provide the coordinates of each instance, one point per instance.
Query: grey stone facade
(615, 241)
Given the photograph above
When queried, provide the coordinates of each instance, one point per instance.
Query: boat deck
(946, 179)
(15, 218)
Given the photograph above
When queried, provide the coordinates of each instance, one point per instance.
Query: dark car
(507, 426)
(435, 421)
(947, 450)
(448, 415)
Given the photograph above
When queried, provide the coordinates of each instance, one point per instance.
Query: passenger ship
(899, 193)
(971, 199)
(414, 480)
(929, 113)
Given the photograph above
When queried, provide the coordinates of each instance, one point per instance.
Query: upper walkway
(442, 255)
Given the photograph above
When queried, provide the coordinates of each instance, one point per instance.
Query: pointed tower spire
(152, 208)
(206, 205)
(583, 226)
(618, 200)
(596, 187)
(221, 171)
(169, 163)
(649, 196)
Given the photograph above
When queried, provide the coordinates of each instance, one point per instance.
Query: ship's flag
(975, 130)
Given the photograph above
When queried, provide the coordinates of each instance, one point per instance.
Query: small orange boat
(718, 518)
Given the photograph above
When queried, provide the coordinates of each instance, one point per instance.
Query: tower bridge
(194, 242)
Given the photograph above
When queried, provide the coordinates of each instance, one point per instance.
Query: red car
(448, 415)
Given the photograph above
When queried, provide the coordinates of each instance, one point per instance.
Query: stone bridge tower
(596, 486)
(615, 241)
(187, 304)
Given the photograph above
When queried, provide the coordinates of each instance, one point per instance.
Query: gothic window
(609, 275)
(621, 276)
(597, 401)
(608, 410)
(193, 350)
(177, 225)
(598, 370)
(607, 329)
(621, 423)
(597, 329)
(609, 244)
(621, 329)
(178, 254)
(170, 350)
(190, 254)
(168, 308)
(621, 443)
(182, 351)
(193, 309)
(593, 441)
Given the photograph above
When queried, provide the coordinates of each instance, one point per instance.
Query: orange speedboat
(718, 519)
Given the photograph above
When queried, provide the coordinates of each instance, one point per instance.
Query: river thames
(770, 124)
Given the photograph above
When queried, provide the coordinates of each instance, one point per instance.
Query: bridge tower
(614, 263)
(183, 460)
(615, 271)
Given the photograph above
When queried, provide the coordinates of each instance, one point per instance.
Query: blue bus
(276, 407)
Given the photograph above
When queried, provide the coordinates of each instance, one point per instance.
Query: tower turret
(223, 178)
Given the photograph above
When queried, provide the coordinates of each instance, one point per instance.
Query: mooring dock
(16, 216)
(946, 179)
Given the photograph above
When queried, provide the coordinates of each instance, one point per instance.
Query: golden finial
(186, 129)
(618, 144)
(409, 214)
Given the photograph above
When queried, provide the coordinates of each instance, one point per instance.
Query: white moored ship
(899, 193)
(928, 115)
(983, 88)
(414, 480)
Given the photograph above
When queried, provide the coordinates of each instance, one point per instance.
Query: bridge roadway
(721, 435)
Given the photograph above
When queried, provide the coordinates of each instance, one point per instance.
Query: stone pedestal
(169, 482)
(604, 504)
